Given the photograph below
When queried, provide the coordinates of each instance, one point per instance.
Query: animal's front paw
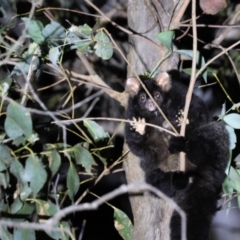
(138, 125)
(179, 118)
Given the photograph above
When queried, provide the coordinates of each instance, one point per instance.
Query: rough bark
(147, 18)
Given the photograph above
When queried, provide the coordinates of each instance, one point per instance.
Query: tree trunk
(147, 18)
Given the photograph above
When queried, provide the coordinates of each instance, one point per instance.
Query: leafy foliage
(95, 130)
(34, 171)
(123, 224)
(166, 38)
(103, 46)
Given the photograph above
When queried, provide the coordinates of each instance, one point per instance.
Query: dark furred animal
(205, 144)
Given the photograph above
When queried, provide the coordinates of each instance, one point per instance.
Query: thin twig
(224, 33)
(179, 14)
(42, 105)
(230, 59)
(200, 71)
(117, 120)
(104, 172)
(143, 86)
(82, 229)
(131, 188)
(212, 26)
(108, 19)
(191, 85)
(32, 68)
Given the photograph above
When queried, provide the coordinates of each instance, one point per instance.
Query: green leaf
(33, 49)
(46, 208)
(200, 59)
(228, 187)
(123, 224)
(69, 154)
(54, 161)
(24, 234)
(72, 181)
(29, 57)
(232, 137)
(235, 178)
(4, 179)
(189, 71)
(2, 136)
(95, 130)
(229, 163)
(83, 31)
(233, 120)
(25, 191)
(23, 66)
(4, 206)
(83, 157)
(20, 140)
(32, 138)
(73, 38)
(103, 47)
(34, 28)
(166, 38)
(16, 205)
(54, 54)
(102, 159)
(2, 166)
(60, 234)
(27, 209)
(187, 53)
(86, 29)
(223, 111)
(54, 32)
(3, 12)
(5, 234)
(5, 85)
(5, 82)
(11, 126)
(35, 174)
(18, 121)
(17, 170)
(5, 156)
(83, 45)
(237, 159)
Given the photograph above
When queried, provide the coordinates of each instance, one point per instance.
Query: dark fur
(205, 144)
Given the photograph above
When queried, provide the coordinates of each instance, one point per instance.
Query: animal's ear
(132, 86)
(163, 80)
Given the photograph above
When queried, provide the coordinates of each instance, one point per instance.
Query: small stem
(191, 85)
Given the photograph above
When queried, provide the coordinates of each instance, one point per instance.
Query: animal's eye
(142, 97)
(157, 95)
